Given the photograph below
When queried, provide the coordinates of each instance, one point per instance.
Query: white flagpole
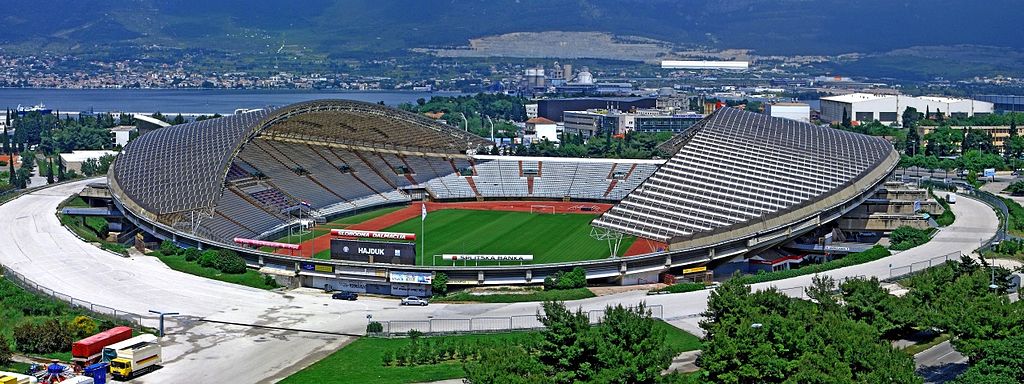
(423, 219)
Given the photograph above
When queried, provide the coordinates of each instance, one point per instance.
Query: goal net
(535, 209)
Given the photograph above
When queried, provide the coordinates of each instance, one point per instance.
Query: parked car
(413, 300)
(350, 296)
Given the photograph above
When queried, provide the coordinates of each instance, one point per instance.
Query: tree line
(844, 334)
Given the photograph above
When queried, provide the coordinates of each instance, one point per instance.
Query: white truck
(135, 360)
(110, 351)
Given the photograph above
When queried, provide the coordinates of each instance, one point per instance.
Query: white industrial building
(704, 64)
(865, 107)
(793, 111)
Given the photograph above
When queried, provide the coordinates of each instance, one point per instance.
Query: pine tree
(1013, 126)
(49, 170)
(61, 172)
(7, 142)
(13, 176)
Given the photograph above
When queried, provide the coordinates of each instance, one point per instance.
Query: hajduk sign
(487, 257)
(264, 243)
(373, 234)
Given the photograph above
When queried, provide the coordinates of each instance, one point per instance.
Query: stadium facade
(738, 182)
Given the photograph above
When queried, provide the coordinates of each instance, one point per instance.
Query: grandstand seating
(737, 167)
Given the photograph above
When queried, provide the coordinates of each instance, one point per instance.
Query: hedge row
(872, 254)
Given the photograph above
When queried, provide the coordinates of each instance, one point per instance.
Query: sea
(189, 101)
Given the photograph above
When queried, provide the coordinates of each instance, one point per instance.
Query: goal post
(537, 209)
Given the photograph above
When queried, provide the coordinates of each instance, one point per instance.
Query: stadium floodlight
(613, 238)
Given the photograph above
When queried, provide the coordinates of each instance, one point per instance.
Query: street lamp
(464, 120)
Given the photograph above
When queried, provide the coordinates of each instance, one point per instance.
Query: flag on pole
(423, 213)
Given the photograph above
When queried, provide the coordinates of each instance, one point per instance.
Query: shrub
(192, 254)
(906, 237)
(872, 254)
(168, 248)
(208, 259)
(577, 278)
(374, 327)
(83, 326)
(6, 354)
(269, 281)
(229, 262)
(440, 284)
(683, 287)
(48, 337)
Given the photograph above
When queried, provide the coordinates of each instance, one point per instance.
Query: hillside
(357, 28)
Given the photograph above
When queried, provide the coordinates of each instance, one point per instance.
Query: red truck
(90, 349)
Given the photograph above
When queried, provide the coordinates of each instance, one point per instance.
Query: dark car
(350, 296)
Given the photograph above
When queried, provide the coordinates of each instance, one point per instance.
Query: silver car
(413, 300)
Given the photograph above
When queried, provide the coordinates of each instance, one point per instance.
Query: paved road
(36, 245)
(940, 363)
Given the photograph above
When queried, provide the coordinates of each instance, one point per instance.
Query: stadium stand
(737, 167)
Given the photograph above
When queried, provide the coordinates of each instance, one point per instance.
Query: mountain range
(362, 28)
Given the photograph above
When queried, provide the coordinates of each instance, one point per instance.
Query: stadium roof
(738, 168)
(183, 167)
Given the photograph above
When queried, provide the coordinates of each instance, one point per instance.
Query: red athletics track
(640, 246)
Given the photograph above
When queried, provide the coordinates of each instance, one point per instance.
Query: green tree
(913, 143)
(439, 284)
(943, 141)
(976, 139)
(564, 348)
(511, 365)
(630, 348)
(49, 170)
(910, 118)
(83, 326)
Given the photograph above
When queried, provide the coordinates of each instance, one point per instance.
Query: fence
(997, 204)
(101, 310)
(800, 291)
(483, 324)
(902, 271)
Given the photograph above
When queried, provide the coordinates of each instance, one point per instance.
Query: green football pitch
(550, 238)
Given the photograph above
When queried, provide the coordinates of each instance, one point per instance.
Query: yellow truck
(134, 360)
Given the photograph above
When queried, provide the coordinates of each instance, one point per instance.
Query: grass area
(682, 288)
(947, 217)
(309, 235)
(15, 367)
(362, 360)
(92, 229)
(1016, 220)
(551, 238)
(18, 306)
(365, 216)
(678, 340)
(250, 278)
(538, 295)
(922, 346)
(872, 254)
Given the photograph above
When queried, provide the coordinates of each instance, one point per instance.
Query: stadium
(294, 188)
